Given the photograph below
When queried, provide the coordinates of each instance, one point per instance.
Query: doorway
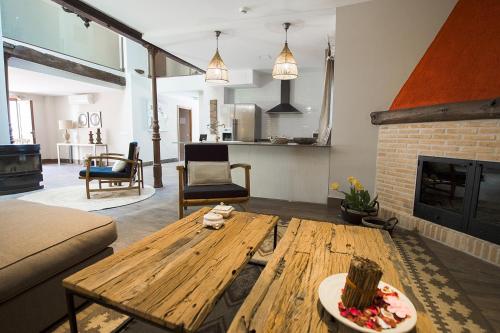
(22, 121)
(184, 129)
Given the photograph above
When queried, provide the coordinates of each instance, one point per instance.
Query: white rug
(75, 197)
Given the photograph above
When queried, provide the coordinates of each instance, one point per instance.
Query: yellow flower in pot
(357, 202)
(334, 186)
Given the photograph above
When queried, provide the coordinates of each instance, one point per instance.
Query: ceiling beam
(485, 109)
(93, 14)
(28, 54)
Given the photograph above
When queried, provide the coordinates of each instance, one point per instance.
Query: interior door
(22, 122)
(484, 219)
(184, 129)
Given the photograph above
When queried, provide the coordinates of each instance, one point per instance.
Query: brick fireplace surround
(399, 146)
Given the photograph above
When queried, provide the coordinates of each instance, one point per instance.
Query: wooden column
(6, 72)
(157, 174)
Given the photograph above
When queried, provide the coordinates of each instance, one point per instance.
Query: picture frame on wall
(83, 120)
(162, 118)
(95, 119)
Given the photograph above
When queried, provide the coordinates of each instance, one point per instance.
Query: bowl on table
(305, 141)
(279, 140)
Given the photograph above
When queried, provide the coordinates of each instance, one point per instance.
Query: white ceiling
(253, 40)
(26, 81)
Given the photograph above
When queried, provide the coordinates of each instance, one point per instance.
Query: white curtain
(326, 106)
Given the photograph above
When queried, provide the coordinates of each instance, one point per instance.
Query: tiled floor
(480, 280)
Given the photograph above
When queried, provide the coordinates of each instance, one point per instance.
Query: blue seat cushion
(104, 172)
(214, 191)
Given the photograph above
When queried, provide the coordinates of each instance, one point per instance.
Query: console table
(92, 146)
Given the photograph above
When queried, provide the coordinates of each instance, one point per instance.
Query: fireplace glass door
(443, 191)
(459, 194)
(484, 219)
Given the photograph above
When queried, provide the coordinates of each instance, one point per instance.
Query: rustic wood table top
(285, 297)
(174, 277)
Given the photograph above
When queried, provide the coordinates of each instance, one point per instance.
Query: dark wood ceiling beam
(28, 54)
(485, 109)
(95, 15)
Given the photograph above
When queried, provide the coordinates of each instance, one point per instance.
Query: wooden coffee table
(173, 278)
(285, 297)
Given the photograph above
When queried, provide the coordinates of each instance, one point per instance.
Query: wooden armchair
(198, 195)
(132, 174)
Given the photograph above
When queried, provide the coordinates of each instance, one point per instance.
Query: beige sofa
(39, 246)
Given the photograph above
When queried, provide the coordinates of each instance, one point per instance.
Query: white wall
(306, 95)
(48, 110)
(124, 113)
(170, 134)
(378, 43)
(195, 86)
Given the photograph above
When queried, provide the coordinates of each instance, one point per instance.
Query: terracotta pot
(354, 216)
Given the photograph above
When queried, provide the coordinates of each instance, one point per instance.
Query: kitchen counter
(293, 174)
(242, 143)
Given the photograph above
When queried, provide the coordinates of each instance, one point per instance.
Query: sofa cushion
(105, 172)
(214, 191)
(39, 241)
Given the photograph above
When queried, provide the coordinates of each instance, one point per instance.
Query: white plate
(330, 291)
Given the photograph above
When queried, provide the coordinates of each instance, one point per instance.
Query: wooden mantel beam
(485, 109)
(29, 54)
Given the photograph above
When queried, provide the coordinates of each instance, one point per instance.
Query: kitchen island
(283, 171)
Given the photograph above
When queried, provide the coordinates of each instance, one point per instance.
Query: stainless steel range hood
(284, 106)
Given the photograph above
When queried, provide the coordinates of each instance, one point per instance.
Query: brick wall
(398, 149)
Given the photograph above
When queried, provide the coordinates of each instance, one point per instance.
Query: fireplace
(460, 194)
(20, 168)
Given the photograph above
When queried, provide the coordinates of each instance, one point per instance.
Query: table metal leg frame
(70, 303)
(275, 242)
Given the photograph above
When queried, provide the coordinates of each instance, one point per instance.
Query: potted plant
(357, 202)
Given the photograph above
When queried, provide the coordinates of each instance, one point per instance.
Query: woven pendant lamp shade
(285, 67)
(216, 70)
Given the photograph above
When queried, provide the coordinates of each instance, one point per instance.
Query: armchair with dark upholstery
(197, 195)
(132, 174)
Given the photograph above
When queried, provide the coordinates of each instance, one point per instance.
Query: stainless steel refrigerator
(243, 121)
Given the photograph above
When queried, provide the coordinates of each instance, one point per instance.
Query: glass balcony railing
(174, 68)
(45, 24)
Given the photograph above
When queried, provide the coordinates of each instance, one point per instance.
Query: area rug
(445, 301)
(75, 197)
(443, 298)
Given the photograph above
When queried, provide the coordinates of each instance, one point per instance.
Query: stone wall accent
(400, 145)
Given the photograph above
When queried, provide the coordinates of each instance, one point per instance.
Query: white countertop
(241, 143)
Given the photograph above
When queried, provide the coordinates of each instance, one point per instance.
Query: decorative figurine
(91, 137)
(98, 138)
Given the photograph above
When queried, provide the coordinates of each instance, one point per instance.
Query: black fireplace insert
(20, 168)
(460, 194)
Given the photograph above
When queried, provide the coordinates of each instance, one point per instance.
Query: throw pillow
(119, 166)
(209, 173)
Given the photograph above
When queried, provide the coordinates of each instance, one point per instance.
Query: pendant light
(216, 71)
(285, 67)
